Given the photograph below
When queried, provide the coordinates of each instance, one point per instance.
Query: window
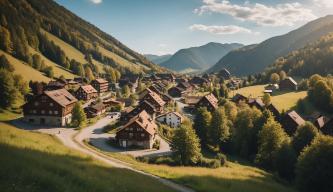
(56, 112)
(131, 129)
(43, 111)
(36, 103)
(44, 98)
(51, 104)
(142, 135)
(34, 111)
(50, 112)
(130, 135)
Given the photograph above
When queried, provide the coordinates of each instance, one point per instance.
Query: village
(164, 100)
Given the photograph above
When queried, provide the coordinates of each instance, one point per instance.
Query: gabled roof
(157, 98)
(100, 80)
(320, 122)
(144, 121)
(211, 99)
(238, 97)
(61, 96)
(88, 89)
(257, 101)
(295, 117)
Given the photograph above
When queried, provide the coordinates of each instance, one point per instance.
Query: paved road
(74, 139)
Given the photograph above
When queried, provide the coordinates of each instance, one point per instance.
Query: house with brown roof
(275, 112)
(52, 108)
(143, 106)
(176, 92)
(209, 101)
(101, 85)
(199, 81)
(290, 121)
(239, 98)
(320, 122)
(86, 92)
(154, 99)
(288, 84)
(166, 76)
(224, 74)
(173, 119)
(256, 102)
(95, 109)
(140, 131)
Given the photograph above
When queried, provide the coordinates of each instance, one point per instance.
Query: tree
(304, 136)
(79, 117)
(275, 78)
(186, 145)
(126, 91)
(36, 61)
(21, 85)
(4, 64)
(270, 139)
(285, 161)
(321, 90)
(5, 40)
(89, 73)
(230, 110)
(224, 92)
(266, 99)
(282, 75)
(8, 91)
(202, 123)
(314, 168)
(219, 129)
(49, 71)
(4, 21)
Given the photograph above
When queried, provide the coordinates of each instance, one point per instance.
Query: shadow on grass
(32, 170)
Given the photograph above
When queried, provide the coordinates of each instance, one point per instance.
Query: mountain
(255, 58)
(158, 59)
(315, 58)
(47, 37)
(199, 58)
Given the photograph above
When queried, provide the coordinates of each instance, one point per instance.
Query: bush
(210, 163)
(223, 158)
(156, 144)
(164, 160)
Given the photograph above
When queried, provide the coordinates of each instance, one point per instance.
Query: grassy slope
(27, 72)
(231, 178)
(37, 162)
(283, 101)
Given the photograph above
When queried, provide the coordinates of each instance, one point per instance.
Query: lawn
(37, 162)
(231, 178)
(282, 100)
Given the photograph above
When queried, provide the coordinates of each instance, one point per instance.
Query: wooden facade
(101, 85)
(86, 93)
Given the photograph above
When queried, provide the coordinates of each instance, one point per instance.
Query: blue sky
(165, 26)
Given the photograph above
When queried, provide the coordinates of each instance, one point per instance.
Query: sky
(165, 26)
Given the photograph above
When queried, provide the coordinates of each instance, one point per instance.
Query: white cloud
(220, 29)
(279, 15)
(162, 45)
(323, 3)
(96, 1)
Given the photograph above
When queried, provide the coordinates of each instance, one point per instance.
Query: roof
(144, 121)
(211, 99)
(257, 101)
(238, 97)
(98, 106)
(88, 89)
(173, 112)
(157, 98)
(100, 80)
(291, 80)
(295, 117)
(61, 96)
(320, 121)
(184, 84)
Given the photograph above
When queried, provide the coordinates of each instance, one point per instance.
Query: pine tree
(36, 61)
(202, 124)
(266, 99)
(8, 92)
(4, 64)
(5, 40)
(89, 73)
(126, 91)
(79, 117)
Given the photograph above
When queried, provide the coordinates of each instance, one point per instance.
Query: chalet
(86, 92)
(95, 110)
(80, 80)
(173, 119)
(156, 88)
(290, 121)
(130, 81)
(143, 106)
(234, 84)
(320, 122)
(327, 129)
(154, 99)
(53, 108)
(165, 97)
(186, 86)
(288, 84)
(54, 85)
(176, 92)
(140, 131)
(199, 81)
(224, 74)
(275, 112)
(209, 101)
(256, 102)
(239, 98)
(166, 76)
(101, 85)
(110, 102)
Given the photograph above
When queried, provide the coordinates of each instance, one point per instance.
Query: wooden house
(199, 81)
(140, 132)
(154, 99)
(275, 112)
(143, 106)
(256, 102)
(209, 101)
(288, 84)
(95, 110)
(290, 121)
(224, 74)
(239, 98)
(101, 85)
(52, 108)
(86, 92)
(173, 119)
(176, 92)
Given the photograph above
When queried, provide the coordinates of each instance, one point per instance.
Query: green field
(37, 162)
(282, 100)
(231, 178)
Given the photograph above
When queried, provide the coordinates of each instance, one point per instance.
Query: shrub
(223, 158)
(210, 163)
(156, 144)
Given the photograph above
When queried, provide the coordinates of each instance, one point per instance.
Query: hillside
(158, 59)
(255, 58)
(57, 38)
(41, 163)
(198, 58)
(315, 58)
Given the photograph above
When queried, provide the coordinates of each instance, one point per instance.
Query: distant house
(320, 122)
(186, 86)
(95, 110)
(54, 85)
(275, 112)
(209, 101)
(173, 119)
(272, 87)
(239, 98)
(101, 85)
(140, 131)
(290, 121)
(176, 92)
(154, 99)
(53, 108)
(256, 102)
(143, 106)
(199, 81)
(165, 97)
(225, 74)
(181, 80)
(288, 84)
(110, 102)
(86, 92)
(166, 76)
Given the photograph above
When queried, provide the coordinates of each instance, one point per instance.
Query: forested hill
(255, 58)
(315, 58)
(45, 35)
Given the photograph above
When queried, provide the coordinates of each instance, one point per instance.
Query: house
(327, 129)
(101, 85)
(239, 98)
(256, 102)
(54, 85)
(173, 119)
(275, 112)
(288, 84)
(290, 121)
(320, 122)
(131, 81)
(140, 131)
(180, 80)
(185, 86)
(176, 92)
(143, 106)
(53, 108)
(224, 74)
(165, 97)
(199, 81)
(95, 110)
(110, 102)
(154, 99)
(209, 101)
(272, 87)
(86, 92)
(166, 76)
